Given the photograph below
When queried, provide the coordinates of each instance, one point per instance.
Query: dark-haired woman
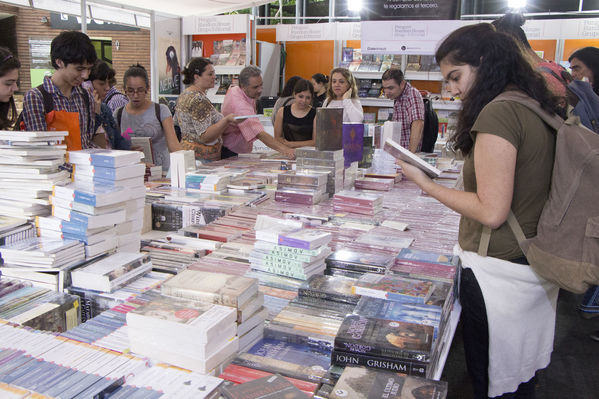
(138, 118)
(202, 126)
(320, 82)
(508, 311)
(294, 124)
(9, 75)
(585, 66)
(286, 97)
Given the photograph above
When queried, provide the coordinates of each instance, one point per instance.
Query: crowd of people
(508, 158)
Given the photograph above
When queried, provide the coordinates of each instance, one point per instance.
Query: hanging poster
(168, 35)
(39, 50)
(380, 10)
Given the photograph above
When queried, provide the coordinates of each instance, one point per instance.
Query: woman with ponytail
(9, 74)
(508, 312)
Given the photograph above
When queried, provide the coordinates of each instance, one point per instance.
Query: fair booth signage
(197, 25)
(405, 37)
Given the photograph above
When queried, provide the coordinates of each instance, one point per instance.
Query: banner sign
(405, 37)
(381, 10)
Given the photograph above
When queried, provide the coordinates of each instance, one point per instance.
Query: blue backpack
(582, 98)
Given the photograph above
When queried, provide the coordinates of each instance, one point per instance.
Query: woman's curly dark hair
(499, 63)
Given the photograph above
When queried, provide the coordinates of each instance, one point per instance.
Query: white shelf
(367, 75)
(228, 69)
(375, 102)
(447, 105)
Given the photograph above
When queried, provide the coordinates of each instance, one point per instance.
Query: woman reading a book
(320, 82)
(294, 123)
(9, 74)
(343, 93)
(143, 118)
(508, 311)
(202, 126)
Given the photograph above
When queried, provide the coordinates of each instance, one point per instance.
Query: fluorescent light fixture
(516, 3)
(354, 5)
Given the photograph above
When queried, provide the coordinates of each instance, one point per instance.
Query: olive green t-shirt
(535, 143)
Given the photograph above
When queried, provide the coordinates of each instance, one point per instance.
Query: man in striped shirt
(408, 108)
(73, 55)
(241, 100)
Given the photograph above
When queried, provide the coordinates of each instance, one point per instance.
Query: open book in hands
(405, 155)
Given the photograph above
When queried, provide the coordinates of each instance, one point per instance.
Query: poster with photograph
(168, 34)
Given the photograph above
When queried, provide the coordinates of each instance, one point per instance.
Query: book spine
(371, 349)
(341, 358)
(205, 297)
(329, 296)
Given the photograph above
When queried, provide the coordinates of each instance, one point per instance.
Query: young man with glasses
(72, 55)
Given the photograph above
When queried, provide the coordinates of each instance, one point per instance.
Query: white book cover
(82, 157)
(101, 247)
(37, 247)
(120, 173)
(107, 273)
(405, 155)
(115, 158)
(16, 135)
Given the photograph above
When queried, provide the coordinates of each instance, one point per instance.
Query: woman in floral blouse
(201, 124)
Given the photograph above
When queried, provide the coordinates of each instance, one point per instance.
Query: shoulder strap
(157, 111)
(485, 238)
(46, 99)
(521, 98)
(555, 75)
(119, 115)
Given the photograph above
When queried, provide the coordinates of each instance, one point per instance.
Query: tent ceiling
(193, 7)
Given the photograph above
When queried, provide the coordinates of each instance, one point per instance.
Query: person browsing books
(202, 126)
(241, 100)
(294, 124)
(286, 96)
(508, 311)
(107, 134)
(408, 108)
(143, 118)
(320, 82)
(585, 66)
(343, 93)
(9, 75)
(72, 55)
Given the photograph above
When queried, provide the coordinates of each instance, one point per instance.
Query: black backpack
(431, 127)
(48, 102)
(119, 115)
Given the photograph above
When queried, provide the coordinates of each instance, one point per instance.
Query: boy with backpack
(60, 103)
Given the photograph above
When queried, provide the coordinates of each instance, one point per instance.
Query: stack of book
(171, 257)
(358, 202)
(238, 292)
(153, 173)
(38, 308)
(310, 161)
(293, 360)
(40, 253)
(111, 272)
(194, 335)
(208, 180)
(14, 229)
(384, 344)
(361, 382)
(268, 386)
(301, 188)
(114, 168)
(29, 167)
(298, 254)
(413, 263)
(393, 288)
(371, 183)
(353, 262)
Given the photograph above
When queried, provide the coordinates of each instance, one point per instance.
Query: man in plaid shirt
(408, 108)
(73, 55)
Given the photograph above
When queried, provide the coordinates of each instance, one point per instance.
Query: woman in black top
(320, 82)
(294, 124)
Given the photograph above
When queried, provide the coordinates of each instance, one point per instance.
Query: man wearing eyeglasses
(75, 108)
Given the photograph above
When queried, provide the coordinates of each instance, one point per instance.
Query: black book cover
(332, 288)
(380, 337)
(409, 367)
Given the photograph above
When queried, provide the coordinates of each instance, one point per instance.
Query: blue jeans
(590, 302)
